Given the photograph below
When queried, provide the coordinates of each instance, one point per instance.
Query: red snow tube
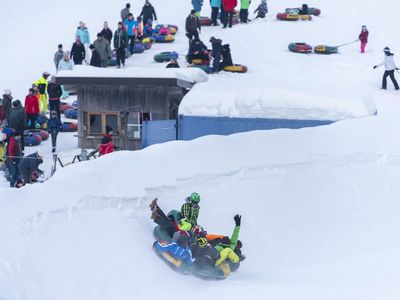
(205, 21)
(44, 135)
(300, 48)
(64, 106)
(69, 127)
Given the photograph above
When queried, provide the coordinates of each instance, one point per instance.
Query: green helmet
(194, 197)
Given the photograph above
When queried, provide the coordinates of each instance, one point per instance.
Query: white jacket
(65, 65)
(388, 62)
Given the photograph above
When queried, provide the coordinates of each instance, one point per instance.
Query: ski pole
(348, 43)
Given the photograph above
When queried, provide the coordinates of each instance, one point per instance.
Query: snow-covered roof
(214, 100)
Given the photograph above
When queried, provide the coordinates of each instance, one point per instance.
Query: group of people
(190, 242)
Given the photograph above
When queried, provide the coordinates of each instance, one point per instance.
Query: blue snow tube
(165, 56)
(31, 139)
(138, 48)
(75, 103)
(71, 114)
(69, 127)
(164, 38)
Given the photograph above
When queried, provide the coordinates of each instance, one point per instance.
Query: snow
(320, 205)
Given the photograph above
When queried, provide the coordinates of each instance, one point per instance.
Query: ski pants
(244, 15)
(214, 15)
(362, 48)
(54, 134)
(391, 75)
(54, 105)
(131, 42)
(227, 253)
(14, 172)
(43, 103)
(228, 18)
(164, 222)
(120, 56)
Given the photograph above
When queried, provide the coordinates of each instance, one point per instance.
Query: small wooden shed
(120, 100)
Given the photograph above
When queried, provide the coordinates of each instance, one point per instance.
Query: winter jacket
(124, 14)
(41, 83)
(190, 212)
(17, 119)
(205, 256)
(57, 57)
(107, 33)
(363, 37)
(172, 65)
(192, 23)
(148, 30)
(103, 48)
(32, 105)
(28, 165)
(55, 91)
(131, 27)
(197, 4)
(65, 65)
(78, 53)
(107, 145)
(7, 99)
(14, 151)
(83, 34)
(176, 251)
(95, 61)
(53, 125)
(215, 3)
(196, 48)
(388, 62)
(245, 4)
(148, 12)
(120, 38)
(232, 245)
(262, 9)
(229, 5)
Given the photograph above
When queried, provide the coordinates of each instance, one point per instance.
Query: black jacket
(7, 99)
(147, 13)
(17, 119)
(172, 65)
(192, 23)
(226, 55)
(107, 33)
(95, 60)
(78, 53)
(54, 90)
(28, 165)
(197, 47)
(205, 256)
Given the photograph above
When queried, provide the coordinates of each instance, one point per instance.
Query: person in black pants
(120, 43)
(55, 91)
(192, 26)
(390, 67)
(216, 53)
(78, 51)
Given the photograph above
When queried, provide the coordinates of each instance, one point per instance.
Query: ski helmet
(194, 197)
(202, 242)
(386, 50)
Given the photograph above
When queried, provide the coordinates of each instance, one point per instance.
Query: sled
(205, 21)
(300, 48)
(236, 69)
(32, 139)
(173, 29)
(44, 135)
(311, 11)
(293, 17)
(164, 38)
(71, 114)
(69, 127)
(323, 49)
(165, 56)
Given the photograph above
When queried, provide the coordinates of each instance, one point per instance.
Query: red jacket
(229, 5)
(14, 148)
(106, 148)
(32, 105)
(364, 36)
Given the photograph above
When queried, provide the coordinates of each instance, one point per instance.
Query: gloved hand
(375, 67)
(397, 69)
(242, 257)
(237, 219)
(154, 244)
(187, 34)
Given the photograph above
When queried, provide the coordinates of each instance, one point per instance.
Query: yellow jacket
(42, 84)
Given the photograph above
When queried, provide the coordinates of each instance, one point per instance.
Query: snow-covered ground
(320, 205)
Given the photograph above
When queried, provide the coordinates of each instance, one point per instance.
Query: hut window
(101, 123)
(95, 124)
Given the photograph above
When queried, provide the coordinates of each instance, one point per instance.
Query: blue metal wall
(156, 132)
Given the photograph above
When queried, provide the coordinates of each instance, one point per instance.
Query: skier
(17, 120)
(58, 55)
(244, 10)
(83, 34)
(131, 28)
(41, 84)
(120, 43)
(229, 7)
(106, 32)
(173, 63)
(192, 26)
(66, 63)
(190, 209)
(55, 93)
(216, 53)
(31, 109)
(95, 61)
(178, 249)
(262, 9)
(14, 154)
(197, 5)
(215, 6)
(390, 67)
(53, 126)
(7, 100)
(30, 165)
(125, 12)
(363, 37)
(148, 13)
(78, 52)
(103, 48)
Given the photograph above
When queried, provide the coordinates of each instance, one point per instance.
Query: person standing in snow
(131, 28)
(148, 13)
(215, 6)
(197, 5)
(14, 154)
(58, 55)
(106, 32)
(17, 120)
(78, 52)
(244, 10)
(7, 101)
(125, 12)
(95, 61)
(216, 53)
(390, 67)
(41, 84)
(120, 43)
(66, 63)
(53, 126)
(103, 48)
(262, 9)
(84, 37)
(55, 92)
(192, 26)
(363, 37)
(190, 209)
(31, 109)
(229, 7)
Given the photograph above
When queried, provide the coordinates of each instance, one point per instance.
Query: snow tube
(31, 139)
(197, 61)
(147, 43)
(323, 49)
(69, 127)
(205, 21)
(75, 104)
(311, 11)
(165, 56)
(41, 122)
(292, 17)
(300, 48)
(205, 68)
(173, 29)
(138, 48)
(64, 106)
(164, 38)
(44, 135)
(112, 62)
(236, 69)
(71, 113)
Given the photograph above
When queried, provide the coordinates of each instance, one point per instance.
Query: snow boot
(153, 204)
(154, 213)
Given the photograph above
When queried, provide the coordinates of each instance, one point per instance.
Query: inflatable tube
(311, 11)
(64, 106)
(236, 69)
(75, 104)
(44, 135)
(112, 62)
(41, 122)
(323, 49)
(165, 56)
(173, 29)
(147, 43)
(205, 21)
(71, 114)
(69, 127)
(164, 38)
(300, 48)
(138, 48)
(31, 139)
(293, 17)
(205, 68)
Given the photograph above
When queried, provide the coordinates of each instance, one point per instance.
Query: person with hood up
(125, 12)
(58, 55)
(84, 37)
(229, 7)
(78, 52)
(197, 5)
(17, 120)
(28, 166)
(148, 13)
(363, 37)
(7, 100)
(66, 63)
(31, 109)
(95, 61)
(106, 32)
(390, 67)
(262, 9)
(179, 249)
(192, 26)
(215, 7)
(103, 48)
(120, 43)
(41, 84)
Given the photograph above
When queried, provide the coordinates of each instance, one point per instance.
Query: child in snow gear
(78, 51)
(53, 126)
(173, 63)
(390, 67)
(29, 166)
(190, 209)
(164, 30)
(55, 92)
(31, 109)
(192, 26)
(178, 249)
(42, 83)
(103, 48)
(58, 55)
(216, 53)
(125, 12)
(229, 7)
(148, 13)
(120, 43)
(95, 61)
(244, 10)
(262, 9)
(215, 6)
(203, 253)
(148, 29)
(363, 37)
(66, 63)
(226, 246)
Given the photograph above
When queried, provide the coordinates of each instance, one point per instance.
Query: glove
(154, 244)
(237, 219)
(375, 67)
(187, 34)
(397, 69)
(242, 257)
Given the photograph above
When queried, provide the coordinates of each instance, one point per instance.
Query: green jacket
(120, 39)
(245, 4)
(190, 212)
(234, 238)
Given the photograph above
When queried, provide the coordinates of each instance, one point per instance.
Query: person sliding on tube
(190, 209)
(178, 249)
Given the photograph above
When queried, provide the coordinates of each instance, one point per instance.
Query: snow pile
(212, 101)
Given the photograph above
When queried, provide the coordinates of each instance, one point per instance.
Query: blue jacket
(83, 34)
(177, 252)
(216, 3)
(131, 27)
(197, 4)
(53, 125)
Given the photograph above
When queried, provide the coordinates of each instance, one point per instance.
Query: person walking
(84, 37)
(58, 55)
(363, 37)
(229, 7)
(148, 13)
(106, 32)
(120, 43)
(390, 67)
(244, 10)
(103, 48)
(78, 51)
(31, 109)
(215, 6)
(53, 126)
(55, 92)
(192, 26)
(125, 12)
(41, 84)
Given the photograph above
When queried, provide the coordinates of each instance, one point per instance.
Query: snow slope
(320, 205)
